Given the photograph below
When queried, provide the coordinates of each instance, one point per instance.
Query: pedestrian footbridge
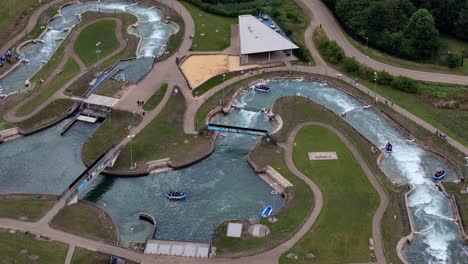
(238, 130)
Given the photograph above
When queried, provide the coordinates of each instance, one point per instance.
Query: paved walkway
(31, 24)
(71, 250)
(42, 228)
(322, 15)
(376, 220)
(11, 116)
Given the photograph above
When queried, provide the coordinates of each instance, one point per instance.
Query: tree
(422, 38)
(461, 25)
(379, 17)
(354, 14)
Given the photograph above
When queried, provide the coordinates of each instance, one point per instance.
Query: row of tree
(401, 27)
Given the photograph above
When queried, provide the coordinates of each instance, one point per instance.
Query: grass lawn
(206, 86)
(111, 88)
(295, 110)
(85, 219)
(23, 248)
(112, 131)
(290, 217)
(79, 87)
(216, 29)
(70, 69)
(84, 256)
(155, 98)
(102, 31)
(164, 137)
(24, 208)
(15, 15)
(446, 120)
(462, 200)
(342, 231)
(52, 111)
(448, 43)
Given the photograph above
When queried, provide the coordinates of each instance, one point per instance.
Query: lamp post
(466, 173)
(131, 151)
(98, 52)
(375, 86)
(222, 99)
(367, 42)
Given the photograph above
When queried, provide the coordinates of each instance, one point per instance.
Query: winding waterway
(437, 239)
(151, 29)
(223, 186)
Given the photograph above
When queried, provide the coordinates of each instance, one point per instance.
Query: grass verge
(51, 112)
(84, 256)
(19, 247)
(446, 120)
(213, 82)
(112, 131)
(70, 69)
(344, 226)
(212, 32)
(102, 32)
(87, 220)
(164, 137)
(25, 207)
(156, 98)
(297, 206)
(295, 110)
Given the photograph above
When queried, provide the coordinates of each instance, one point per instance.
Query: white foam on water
(419, 197)
(408, 160)
(438, 241)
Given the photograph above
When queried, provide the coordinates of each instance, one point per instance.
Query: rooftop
(256, 37)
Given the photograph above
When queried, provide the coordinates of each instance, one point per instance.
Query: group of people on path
(141, 103)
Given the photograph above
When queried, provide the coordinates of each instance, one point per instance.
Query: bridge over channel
(107, 159)
(238, 130)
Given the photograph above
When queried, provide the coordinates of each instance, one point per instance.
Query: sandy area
(199, 68)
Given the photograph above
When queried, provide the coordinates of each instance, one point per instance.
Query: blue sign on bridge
(238, 130)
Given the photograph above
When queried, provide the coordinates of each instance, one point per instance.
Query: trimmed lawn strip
(84, 256)
(87, 220)
(111, 88)
(164, 137)
(213, 82)
(295, 110)
(79, 87)
(462, 200)
(443, 119)
(50, 252)
(112, 131)
(52, 111)
(216, 29)
(26, 209)
(156, 98)
(297, 207)
(380, 56)
(344, 226)
(70, 69)
(102, 31)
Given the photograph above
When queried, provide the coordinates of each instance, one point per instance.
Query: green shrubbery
(331, 51)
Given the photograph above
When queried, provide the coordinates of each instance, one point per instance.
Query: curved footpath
(11, 116)
(323, 15)
(377, 219)
(42, 228)
(31, 24)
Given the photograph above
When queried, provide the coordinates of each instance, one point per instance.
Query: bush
(385, 78)
(331, 52)
(302, 53)
(351, 65)
(405, 84)
(453, 60)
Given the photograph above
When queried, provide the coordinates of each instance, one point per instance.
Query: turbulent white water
(151, 29)
(437, 239)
